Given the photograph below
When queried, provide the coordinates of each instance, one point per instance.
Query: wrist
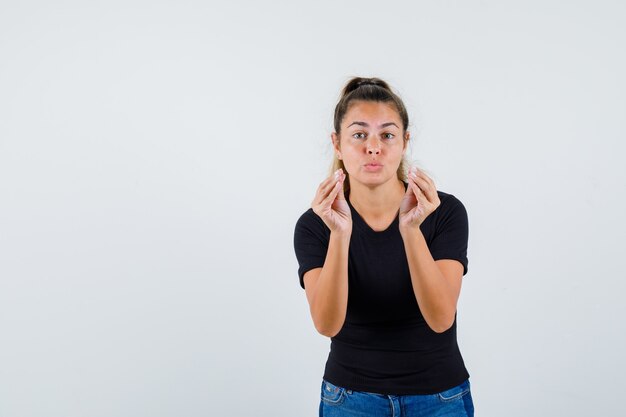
(341, 235)
(409, 230)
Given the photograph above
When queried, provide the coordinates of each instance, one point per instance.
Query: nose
(373, 149)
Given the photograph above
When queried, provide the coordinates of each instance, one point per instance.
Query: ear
(336, 144)
(407, 137)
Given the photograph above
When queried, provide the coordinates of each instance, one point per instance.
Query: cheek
(350, 161)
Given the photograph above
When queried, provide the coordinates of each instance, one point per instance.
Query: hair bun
(366, 81)
(357, 82)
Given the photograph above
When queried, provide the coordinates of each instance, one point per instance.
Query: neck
(377, 201)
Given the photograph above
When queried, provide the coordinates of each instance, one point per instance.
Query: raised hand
(331, 205)
(420, 200)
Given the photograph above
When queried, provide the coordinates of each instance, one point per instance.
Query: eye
(389, 135)
(359, 133)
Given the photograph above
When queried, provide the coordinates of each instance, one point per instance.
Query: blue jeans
(340, 402)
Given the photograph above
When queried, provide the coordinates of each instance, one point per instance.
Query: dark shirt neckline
(361, 224)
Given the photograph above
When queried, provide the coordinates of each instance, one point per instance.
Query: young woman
(381, 255)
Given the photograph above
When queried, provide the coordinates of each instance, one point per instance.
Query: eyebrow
(366, 125)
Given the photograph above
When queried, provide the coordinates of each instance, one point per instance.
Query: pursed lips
(373, 167)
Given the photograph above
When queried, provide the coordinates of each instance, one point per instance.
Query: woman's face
(371, 143)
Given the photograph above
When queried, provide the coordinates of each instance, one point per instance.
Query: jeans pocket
(332, 394)
(455, 393)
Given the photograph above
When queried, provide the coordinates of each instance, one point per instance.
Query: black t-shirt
(385, 345)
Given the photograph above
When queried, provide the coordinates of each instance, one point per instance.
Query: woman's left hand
(420, 200)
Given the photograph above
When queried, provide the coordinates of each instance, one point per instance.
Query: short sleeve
(451, 232)
(310, 242)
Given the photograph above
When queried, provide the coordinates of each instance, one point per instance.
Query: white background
(155, 156)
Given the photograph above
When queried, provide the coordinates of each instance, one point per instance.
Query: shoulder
(448, 198)
(310, 223)
(450, 208)
(448, 201)
(309, 218)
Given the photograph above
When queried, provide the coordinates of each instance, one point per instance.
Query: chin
(374, 179)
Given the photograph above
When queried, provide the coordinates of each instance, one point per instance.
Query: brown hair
(368, 89)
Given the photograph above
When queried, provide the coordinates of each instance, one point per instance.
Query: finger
(327, 186)
(328, 201)
(331, 190)
(423, 175)
(427, 189)
(335, 175)
(341, 195)
(322, 192)
(417, 191)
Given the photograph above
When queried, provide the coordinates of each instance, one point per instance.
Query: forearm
(433, 292)
(330, 301)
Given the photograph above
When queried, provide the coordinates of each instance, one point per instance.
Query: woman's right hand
(331, 206)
